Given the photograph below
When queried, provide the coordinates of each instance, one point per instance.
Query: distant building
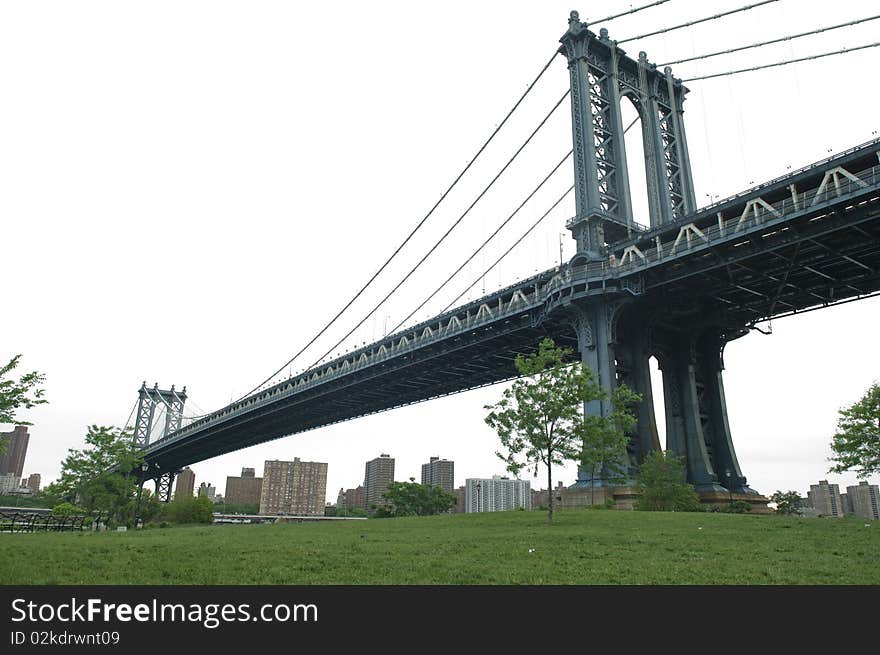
(825, 499)
(207, 490)
(351, 498)
(846, 503)
(244, 490)
(33, 482)
(377, 474)
(294, 488)
(496, 494)
(9, 483)
(439, 473)
(460, 495)
(865, 501)
(186, 482)
(12, 459)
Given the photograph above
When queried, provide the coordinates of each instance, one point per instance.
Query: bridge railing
(756, 214)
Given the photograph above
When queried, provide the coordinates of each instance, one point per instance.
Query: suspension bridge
(678, 288)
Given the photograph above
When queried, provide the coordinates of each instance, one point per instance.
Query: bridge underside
(789, 246)
(477, 359)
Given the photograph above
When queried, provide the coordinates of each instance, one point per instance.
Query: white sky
(189, 190)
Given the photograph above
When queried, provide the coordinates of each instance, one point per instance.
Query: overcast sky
(190, 190)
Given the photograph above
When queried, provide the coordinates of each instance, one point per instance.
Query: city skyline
(244, 220)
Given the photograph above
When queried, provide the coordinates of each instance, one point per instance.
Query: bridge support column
(617, 350)
(696, 411)
(164, 485)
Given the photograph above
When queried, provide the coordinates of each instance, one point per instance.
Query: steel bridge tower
(617, 330)
(149, 401)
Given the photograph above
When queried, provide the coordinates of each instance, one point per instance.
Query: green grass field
(583, 547)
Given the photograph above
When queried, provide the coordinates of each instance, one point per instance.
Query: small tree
(605, 443)
(856, 445)
(540, 418)
(787, 502)
(26, 392)
(96, 478)
(413, 499)
(662, 485)
(188, 509)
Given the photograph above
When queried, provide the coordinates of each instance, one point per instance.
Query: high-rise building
(295, 488)
(186, 482)
(377, 474)
(496, 494)
(12, 458)
(825, 499)
(33, 482)
(439, 473)
(351, 498)
(864, 499)
(207, 490)
(244, 490)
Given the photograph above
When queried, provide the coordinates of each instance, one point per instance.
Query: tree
(856, 445)
(787, 502)
(662, 486)
(188, 509)
(97, 478)
(606, 441)
(540, 418)
(26, 392)
(413, 499)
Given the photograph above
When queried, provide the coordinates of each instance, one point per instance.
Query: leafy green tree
(662, 486)
(67, 509)
(414, 499)
(787, 502)
(856, 445)
(540, 418)
(26, 392)
(190, 509)
(96, 478)
(605, 442)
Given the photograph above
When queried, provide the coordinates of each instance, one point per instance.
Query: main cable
(783, 63)
(625, 13)
(485, 243)
(696, 22)
(791, 37)
(407, 239)
(449, 231)
(508, 251)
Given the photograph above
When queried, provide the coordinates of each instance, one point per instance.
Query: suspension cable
(449, 231)
(485, 243)
(508, 251)
(407, 239)
(695, 22)
(790, 37)
(783, 63)
(626, 13)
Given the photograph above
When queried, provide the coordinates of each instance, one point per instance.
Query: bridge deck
(807, 240)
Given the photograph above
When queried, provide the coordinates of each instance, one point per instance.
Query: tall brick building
(244, 490)
(295, 488)
(16, 442)
(377, 474)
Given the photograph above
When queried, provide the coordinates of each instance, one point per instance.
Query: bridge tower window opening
(659, 399)
(634, 154)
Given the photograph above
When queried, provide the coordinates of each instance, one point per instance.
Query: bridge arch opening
(658, 398)
(633, 143)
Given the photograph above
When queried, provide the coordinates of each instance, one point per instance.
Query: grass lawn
(583, 547)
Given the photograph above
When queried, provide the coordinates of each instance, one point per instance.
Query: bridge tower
(617, 331)
(149, 400)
